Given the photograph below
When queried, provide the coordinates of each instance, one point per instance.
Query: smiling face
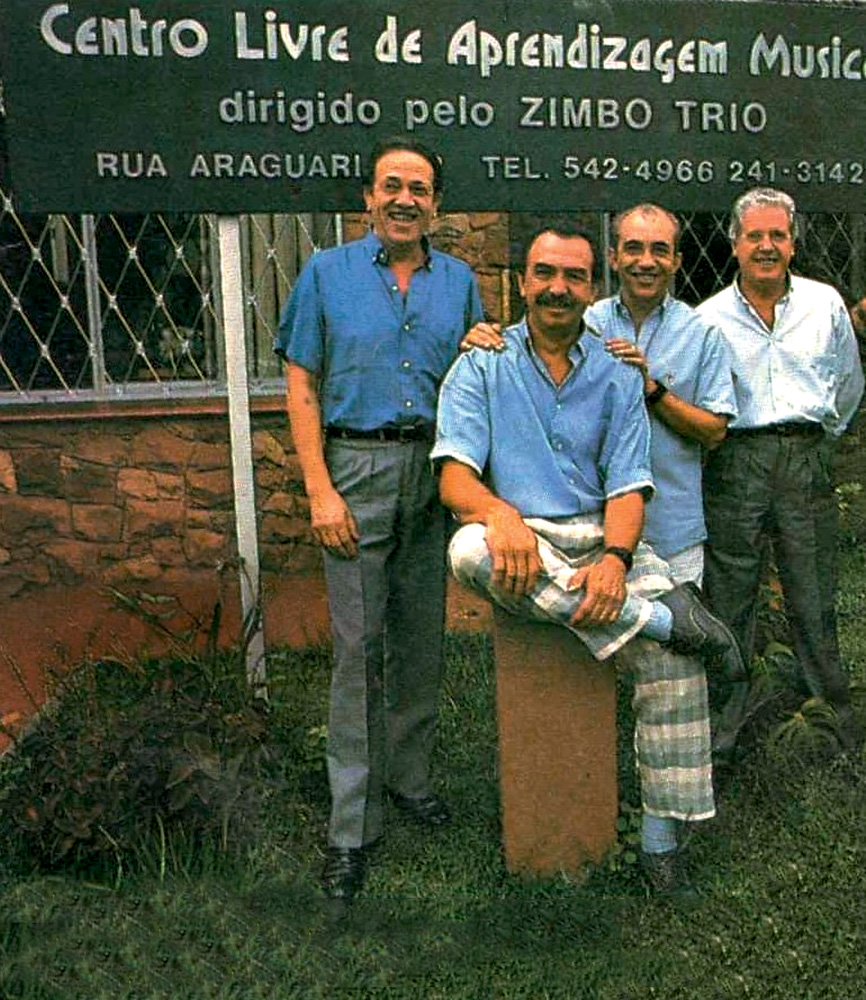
(402, 201)
(557, 284)
(645, 258)
(764, 247)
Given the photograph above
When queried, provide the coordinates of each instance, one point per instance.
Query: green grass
(782, 871)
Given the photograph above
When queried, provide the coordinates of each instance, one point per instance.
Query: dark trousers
(769, 490)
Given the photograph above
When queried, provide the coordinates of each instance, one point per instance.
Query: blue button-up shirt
(807, 367)
(692, 360)
(380, 357)
(549, 450)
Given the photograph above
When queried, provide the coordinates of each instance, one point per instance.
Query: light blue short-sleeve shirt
(549, 450)
(690, 357)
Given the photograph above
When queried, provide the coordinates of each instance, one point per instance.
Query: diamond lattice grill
(119, 306)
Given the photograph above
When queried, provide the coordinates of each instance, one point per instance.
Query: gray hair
(762, 198)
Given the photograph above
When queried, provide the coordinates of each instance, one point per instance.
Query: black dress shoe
(666, 875)
(428, 810)
(343, 872)
(696, 632)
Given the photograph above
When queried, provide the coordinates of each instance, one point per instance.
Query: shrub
(127, 756)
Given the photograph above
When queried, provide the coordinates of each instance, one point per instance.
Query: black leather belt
(793, 428)
(411, 432)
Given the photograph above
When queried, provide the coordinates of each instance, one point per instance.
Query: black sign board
(561, 104)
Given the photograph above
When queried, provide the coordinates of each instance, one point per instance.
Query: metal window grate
(126, 306)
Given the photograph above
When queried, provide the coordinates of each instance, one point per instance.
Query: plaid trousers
(672, 727)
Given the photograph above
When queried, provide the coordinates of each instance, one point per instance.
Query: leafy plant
(129, 753)
(810, 731)
(625, 853)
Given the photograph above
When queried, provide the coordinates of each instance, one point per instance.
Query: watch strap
(625, 556)
(651, 398)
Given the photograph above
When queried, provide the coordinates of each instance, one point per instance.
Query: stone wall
(135, 501)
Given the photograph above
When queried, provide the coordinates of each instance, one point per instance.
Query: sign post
(243, 479)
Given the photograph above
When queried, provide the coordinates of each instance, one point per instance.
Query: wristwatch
(624, 555)
(651, 398)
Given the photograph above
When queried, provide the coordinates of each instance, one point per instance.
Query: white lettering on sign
(585, 112)
(587, 49)
(130, 164)
(713, 116)
(461, 111)
(512, 168)
(301, 114)
(270, 166)
(274, 38)
(120, 36)
(831, 61)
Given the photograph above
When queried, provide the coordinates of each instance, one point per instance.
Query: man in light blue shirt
(367, 336)
(769, 487)
(687, 382)
(544, 454)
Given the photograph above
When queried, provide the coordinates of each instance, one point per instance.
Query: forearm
(623, 521)
(305, 418)
(462, 492)
(688, 420)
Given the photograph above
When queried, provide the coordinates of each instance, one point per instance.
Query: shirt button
(407, 326)
(406, 364)
(395, 288)
(409, 404)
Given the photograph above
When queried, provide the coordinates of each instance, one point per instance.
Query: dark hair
(565, 230)
(395, 143)
(646, 208)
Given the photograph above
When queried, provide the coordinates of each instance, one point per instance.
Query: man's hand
(333, 524)
(631, 354)
(604, 583)
(514, 550)
(487, 336)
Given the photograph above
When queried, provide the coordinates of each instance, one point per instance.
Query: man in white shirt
(798, 384)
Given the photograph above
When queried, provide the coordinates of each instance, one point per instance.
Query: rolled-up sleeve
(463, 419)
(624, 459)
(300, 335)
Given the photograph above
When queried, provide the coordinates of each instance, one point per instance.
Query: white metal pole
(231, 281)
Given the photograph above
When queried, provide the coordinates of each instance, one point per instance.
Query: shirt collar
(380, 255)
(577, 351)
(622, 308)
(784, 298)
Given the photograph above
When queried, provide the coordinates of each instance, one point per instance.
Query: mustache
(555, 300)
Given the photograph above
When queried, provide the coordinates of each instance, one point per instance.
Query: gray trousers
(765, 491)
(387, 610)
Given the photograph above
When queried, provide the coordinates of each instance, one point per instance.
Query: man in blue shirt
(687, 382)
(543, 448)
(769, 486)
(368, 334)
